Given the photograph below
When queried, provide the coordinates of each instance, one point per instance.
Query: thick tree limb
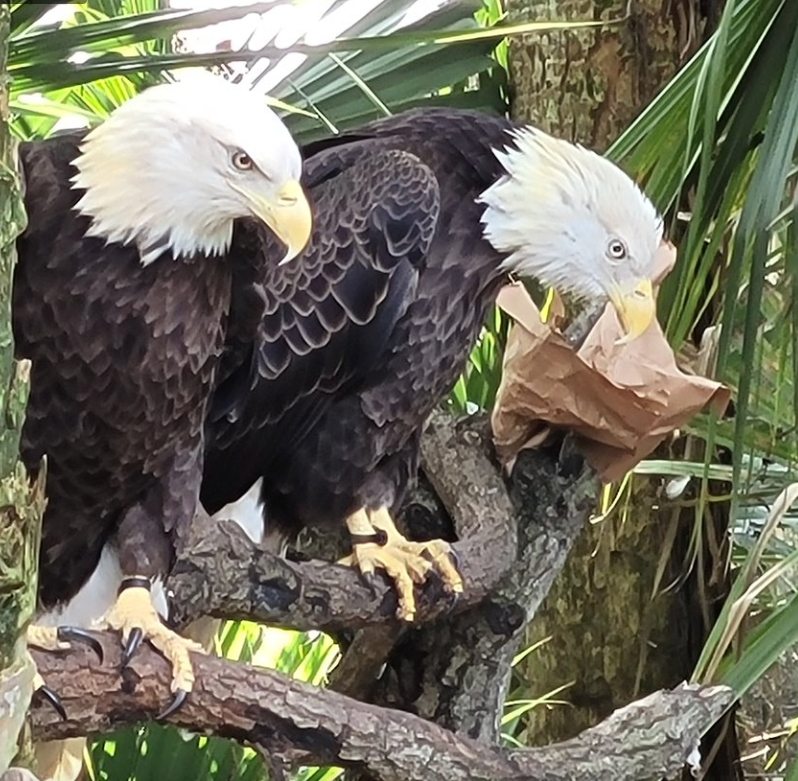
(251, 583)
(455, 670)
(300, 724)
(221, 573)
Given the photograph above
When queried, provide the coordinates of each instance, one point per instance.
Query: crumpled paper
(621, 399)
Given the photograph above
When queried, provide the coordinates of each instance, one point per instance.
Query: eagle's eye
(242, 161)
(616, 249)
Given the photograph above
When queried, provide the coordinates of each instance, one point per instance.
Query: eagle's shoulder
(46, 171)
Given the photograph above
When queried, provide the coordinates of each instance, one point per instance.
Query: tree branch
(224, 575)
(300, 724)
(221, 573)
(455, 671)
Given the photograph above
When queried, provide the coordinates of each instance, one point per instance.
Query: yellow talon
(45, 638)
(134, 610)
(405, 562)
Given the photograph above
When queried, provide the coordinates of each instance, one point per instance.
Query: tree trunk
(20, 503)
(588, 84)
(611, 640)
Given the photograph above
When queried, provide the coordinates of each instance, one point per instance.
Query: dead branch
(300, 724)
(455, 670)
(222, 574)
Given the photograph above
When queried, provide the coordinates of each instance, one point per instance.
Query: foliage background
(716, 151)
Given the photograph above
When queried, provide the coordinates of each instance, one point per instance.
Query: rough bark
(455, 671)
(20, 504)
(589, 84)
(299, 724)
(317, 595)
(613, 638)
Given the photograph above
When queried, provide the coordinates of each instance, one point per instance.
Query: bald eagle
(121, 300)
(419, 219)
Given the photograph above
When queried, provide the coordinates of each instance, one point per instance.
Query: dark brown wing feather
(327, 317)
(123, 358)
(371, 328)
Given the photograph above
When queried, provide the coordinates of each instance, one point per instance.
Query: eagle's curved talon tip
(54, 700)
(453, 600)
(131, 646)
(370, 579)
(457, 561)
(181, 695)
(71, 635)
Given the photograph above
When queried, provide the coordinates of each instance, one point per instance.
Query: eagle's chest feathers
(152, 322)
(137, 350)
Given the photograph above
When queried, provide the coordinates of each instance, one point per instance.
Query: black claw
(454, 599)
(177, 702)
(70, 634)
(53, 699)
(434, 577)
(370, 579)
(133, 642)
(457, 562)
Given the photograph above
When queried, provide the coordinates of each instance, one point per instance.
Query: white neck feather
(557, 207)
(144, 189)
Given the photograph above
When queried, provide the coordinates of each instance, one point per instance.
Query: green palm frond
(446, 58)
(719, 144)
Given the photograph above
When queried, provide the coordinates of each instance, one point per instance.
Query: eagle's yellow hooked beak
(636, 308)
(288, 215)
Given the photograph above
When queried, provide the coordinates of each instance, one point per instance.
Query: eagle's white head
(172, 168)
(576, 222)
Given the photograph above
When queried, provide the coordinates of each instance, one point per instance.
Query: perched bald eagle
(122, 297)
(418, 221)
